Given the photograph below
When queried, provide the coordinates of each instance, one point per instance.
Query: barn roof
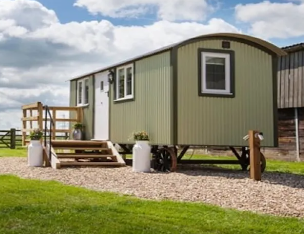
(294, 47)
(246, 38)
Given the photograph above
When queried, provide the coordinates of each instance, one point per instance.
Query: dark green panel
(209, 120)
(88, 112)
(151, 108)
(73, 90)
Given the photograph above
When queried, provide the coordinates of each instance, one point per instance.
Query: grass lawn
(271, 165)
(18, 152)
(30, 206)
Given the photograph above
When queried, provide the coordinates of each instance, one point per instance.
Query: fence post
(255, 157)
(13, 138)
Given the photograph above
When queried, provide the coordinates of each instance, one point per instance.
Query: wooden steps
(85, 153)
(81, 148)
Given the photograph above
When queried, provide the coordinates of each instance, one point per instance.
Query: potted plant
(141, 158)
(141, 136)
(77, 132)
(36, 134)
(35, 150)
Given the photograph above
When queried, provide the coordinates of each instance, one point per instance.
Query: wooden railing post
(13, 138)
(24, 127)
(40, 115)
(255, 155)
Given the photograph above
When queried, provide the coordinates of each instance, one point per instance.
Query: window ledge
(124, 99)
(82, 105)
(216, 94)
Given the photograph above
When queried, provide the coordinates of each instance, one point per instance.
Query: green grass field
(31, 206)
(18, 152)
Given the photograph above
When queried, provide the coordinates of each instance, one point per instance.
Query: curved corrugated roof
(257, 42)
(246, 38)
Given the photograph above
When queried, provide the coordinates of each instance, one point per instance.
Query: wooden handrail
(33, 113)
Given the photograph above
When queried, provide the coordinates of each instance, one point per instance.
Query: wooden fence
(34, 117)
(10, 138)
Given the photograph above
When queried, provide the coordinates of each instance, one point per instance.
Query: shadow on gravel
(282, 178)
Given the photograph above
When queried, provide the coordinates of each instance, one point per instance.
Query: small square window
(83, 92)
(124, 83)
(216, 73)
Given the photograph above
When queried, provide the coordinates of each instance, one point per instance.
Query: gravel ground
(277, 193)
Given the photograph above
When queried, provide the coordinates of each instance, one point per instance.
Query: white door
(101, 118)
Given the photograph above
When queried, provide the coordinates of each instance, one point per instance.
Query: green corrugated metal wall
(88, 111)
(224, 121)
(151, 110)
(73, 90)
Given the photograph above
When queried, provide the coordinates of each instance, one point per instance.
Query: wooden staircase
(67, 153)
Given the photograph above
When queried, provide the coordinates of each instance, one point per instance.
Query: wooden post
(24, 127)
(31, 122)
(255, 157)
(13, 138)
(80, 114)
(40, 117)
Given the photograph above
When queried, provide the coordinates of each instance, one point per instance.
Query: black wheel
(164, 159)
(246, 158)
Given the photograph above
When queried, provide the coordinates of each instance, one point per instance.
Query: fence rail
(12, 138)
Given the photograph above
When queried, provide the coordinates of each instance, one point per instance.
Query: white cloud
(27, 13)
(273, 20)
(38, 53)
(166, 10)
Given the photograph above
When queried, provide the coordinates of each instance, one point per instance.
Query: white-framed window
(124, 82)
(215, 73)
(83, 92)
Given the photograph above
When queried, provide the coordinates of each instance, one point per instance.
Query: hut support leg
(243, 160)
(181, 155)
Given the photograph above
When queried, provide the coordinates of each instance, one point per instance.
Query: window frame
(229, 72)
(117, 83)
(84, 94)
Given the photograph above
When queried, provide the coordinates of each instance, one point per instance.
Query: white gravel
(277, 193)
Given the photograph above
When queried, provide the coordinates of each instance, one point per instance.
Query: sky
(44, 43)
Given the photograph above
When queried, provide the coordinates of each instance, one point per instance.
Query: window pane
(86, 94)
(129, 81)
(121, 83)
(79, 92)
(101, 85)
(215, 73)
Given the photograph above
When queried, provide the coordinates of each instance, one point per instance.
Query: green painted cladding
(151, 110)
(73, 100)
(88, 111)
(221, 120)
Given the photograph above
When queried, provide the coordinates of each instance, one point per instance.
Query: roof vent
(226, 44)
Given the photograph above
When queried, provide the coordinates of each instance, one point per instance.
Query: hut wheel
(262, 161)
(165, 160)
